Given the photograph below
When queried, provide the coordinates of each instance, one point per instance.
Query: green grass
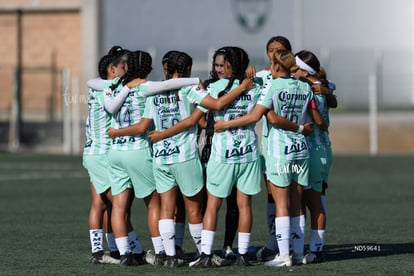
(44, 205)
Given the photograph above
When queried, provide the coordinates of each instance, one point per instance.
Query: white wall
(352, 38)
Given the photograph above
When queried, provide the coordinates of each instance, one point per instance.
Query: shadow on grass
(338, 252)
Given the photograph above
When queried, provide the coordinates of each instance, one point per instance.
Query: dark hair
(282, 40)
(167, 56)
(139, 66)
(238, 60)
(179, 62)
(213, 73)
(103, 66)
(310, 59)
(118, 54)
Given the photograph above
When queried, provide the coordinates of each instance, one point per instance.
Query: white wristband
(300, 129)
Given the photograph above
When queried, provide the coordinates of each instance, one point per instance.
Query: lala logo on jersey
(167, 151)
(252, 14)
(298, 147)
(237, 150)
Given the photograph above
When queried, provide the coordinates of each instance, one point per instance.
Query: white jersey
(289, 98)
(130, 113)
(97, 123)
(166, 110)
(265, 76)
(235, 145)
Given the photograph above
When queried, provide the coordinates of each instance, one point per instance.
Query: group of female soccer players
(142, 141)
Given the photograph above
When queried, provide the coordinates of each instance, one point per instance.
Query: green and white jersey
(166, 110)
(97, 123)
(235, 145)
(319, 136)
(130, 113)
(266, 76)
(289, 98)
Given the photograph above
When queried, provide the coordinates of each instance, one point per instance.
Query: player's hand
(248, 84)
(219, 126)
(320, 89)
(307, 129)
(135, 82)
(250, 72)
(113, 132)
(155, 136)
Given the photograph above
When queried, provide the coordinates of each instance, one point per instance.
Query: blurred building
(365, 46)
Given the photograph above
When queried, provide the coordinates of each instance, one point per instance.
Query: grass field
(44, 204)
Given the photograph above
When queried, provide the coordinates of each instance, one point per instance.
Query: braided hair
(179, 62)
(234, 56)
(103, 64)
(139, 66)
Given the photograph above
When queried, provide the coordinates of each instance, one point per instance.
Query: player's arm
(96, 84)
(220, 103)
(113, 104)
(181, 126)
(155, 87)
(202, 123)
(331, 100)
(283, 123)
(316, 115)
(135, 129)
(245, 120)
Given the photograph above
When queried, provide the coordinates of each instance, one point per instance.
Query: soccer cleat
(126, 260)
(139, 258)
(115, 254)
(217, 261)
(171, 261)
(101, 258)
(155, 259)
(179, 252)
(227, 253)
(297, 259)
(313, 257)
(204, 261)
(243, 261)
(264, 254)
(150, 258)
(160, 259)
(280, 261)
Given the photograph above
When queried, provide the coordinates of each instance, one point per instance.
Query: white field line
(42, 175)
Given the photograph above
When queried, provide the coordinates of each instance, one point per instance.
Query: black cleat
(171, 261)
(243, 261)
(204, 261)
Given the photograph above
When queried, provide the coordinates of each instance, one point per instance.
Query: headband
(302, 65)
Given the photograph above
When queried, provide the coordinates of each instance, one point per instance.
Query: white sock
(96, 237)
(158, 245)
(110, 238)
(207, 240)
(297, 234)
(325, 208)
(179, 233)
(134, 243)
(316, 240)
(282, 225)
(243, 242)
(123, 245)
(195, 231)
(167, 231)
